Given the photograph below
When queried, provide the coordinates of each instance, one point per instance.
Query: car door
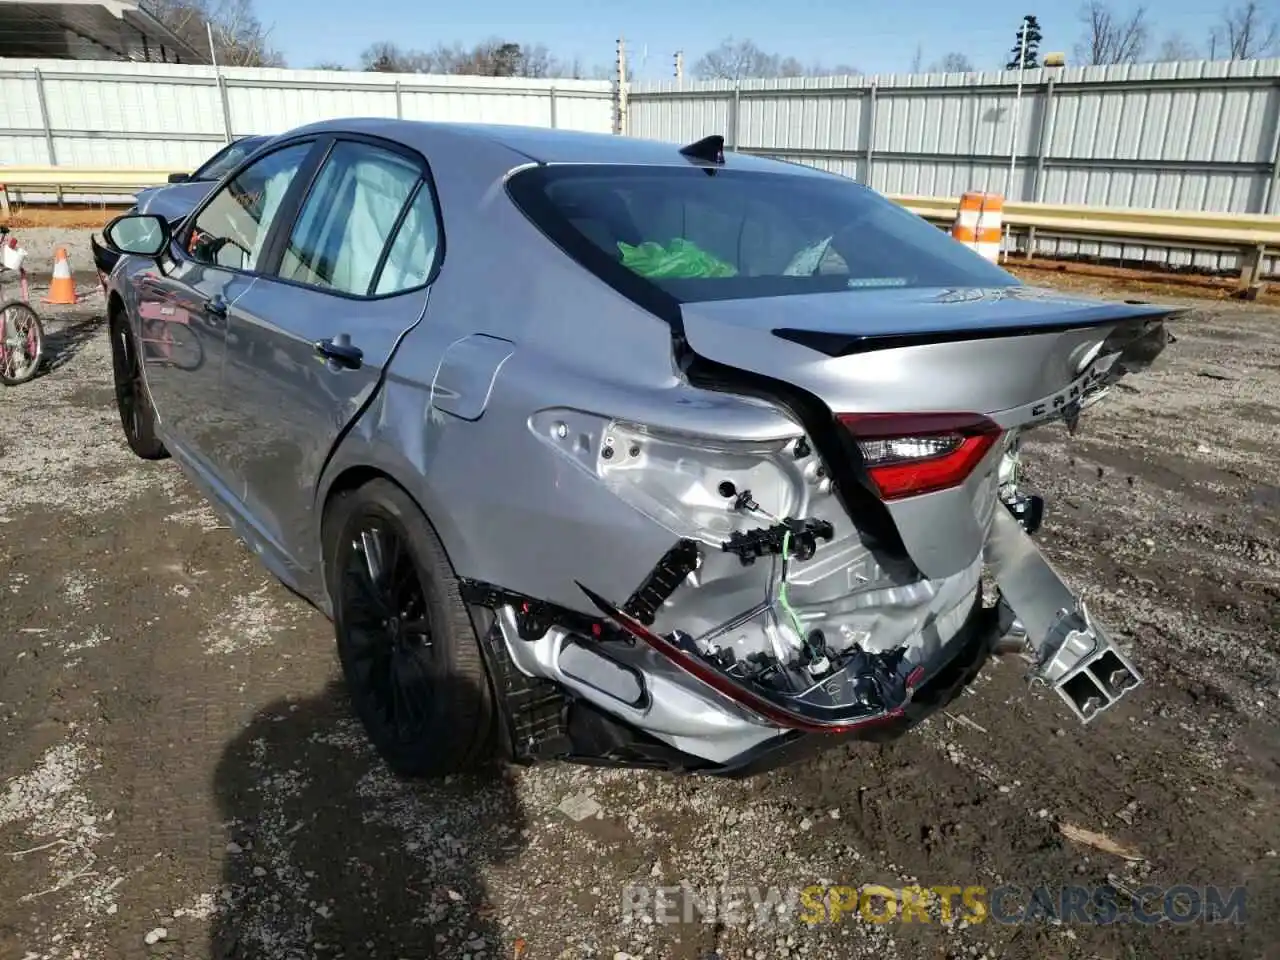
(183, 306)
(309, 343)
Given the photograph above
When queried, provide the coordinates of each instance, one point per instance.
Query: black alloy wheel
(409, 652)
(388, 628)
(137, 417)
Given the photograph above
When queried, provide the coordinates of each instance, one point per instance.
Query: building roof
(90, 30)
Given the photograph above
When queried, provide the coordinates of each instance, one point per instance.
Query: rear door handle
(341, 352)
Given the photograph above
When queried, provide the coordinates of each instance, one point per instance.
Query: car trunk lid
(903, 369)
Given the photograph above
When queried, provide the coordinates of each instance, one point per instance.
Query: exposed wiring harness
(782, 587)
(812, 642)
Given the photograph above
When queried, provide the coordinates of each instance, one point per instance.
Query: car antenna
(708, 149)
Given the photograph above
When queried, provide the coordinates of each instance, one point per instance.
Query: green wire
(782, 589)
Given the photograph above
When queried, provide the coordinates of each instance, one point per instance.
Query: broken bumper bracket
(1073, 653)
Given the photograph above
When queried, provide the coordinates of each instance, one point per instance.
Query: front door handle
(341, 352)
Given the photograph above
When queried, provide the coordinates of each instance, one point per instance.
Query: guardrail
(1249, 233)
(97, 181)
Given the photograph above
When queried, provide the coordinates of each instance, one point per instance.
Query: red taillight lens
(908, 454)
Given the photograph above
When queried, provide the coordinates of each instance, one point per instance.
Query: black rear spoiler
(845, 344)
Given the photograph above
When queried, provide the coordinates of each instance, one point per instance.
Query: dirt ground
(72, 215)
(180, 776)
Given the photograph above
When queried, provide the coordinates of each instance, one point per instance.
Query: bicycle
(21, 332)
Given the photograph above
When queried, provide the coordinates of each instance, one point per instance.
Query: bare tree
(1110, 37)
(1175, 48)
(329, 65)
(791, 67)
(917, 59)
(742, 59)
(491, 58)
(952, 63)
(735, 60)
(385, 57)
(239, 38)
(1245, 33)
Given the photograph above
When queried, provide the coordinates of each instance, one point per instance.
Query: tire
(417, 680)
(20, 324)
(137, 416)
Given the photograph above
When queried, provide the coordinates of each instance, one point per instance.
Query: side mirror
(179, 177)
(138, 233)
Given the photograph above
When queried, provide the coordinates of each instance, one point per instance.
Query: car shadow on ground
(62, 341)
(329, 853)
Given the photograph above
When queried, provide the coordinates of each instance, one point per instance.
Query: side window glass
(348, 217)
(413, 251)
(232, 230)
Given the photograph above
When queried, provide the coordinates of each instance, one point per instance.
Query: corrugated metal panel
(139, 114)
(1194, 135)
(1197, 135)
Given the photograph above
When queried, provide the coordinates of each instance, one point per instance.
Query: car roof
(548, 145)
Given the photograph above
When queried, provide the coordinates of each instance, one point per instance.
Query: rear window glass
(739, 234)
(226, 159)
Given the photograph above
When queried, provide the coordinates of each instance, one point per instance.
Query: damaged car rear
(679, 459)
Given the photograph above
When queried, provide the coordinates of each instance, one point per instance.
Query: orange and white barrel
(978, 223)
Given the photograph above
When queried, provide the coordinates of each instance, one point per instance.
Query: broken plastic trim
(676, 564)
(750, 545)
(773, 712)
(535, 617)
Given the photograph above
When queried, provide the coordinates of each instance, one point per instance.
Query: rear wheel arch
(348, 480)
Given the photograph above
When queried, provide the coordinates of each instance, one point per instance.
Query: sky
(876, 37)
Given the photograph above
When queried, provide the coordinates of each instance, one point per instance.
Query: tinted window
(413, 251)
(233, 228)
(348, 217)
(226, 159)
(742, 233)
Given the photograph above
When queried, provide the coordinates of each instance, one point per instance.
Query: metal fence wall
(100, 113)
(1196, 135)
(1186, 136)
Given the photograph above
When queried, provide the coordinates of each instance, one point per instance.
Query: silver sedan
(616, 451)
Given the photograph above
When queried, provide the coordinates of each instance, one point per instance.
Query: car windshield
(702, 234)
(225, 160)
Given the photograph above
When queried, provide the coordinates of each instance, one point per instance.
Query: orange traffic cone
(62, 288)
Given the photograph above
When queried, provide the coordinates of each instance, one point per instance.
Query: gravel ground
(41, 243)
(179, 775)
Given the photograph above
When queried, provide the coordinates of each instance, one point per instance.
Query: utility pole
(213, 51)
(620, 120)
(680, 66)
(1017, 111)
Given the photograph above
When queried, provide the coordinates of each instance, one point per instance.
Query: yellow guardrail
(1231, 229)
(1252, 233)
(104, 181)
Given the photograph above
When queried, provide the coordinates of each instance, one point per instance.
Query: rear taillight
(908, 454)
